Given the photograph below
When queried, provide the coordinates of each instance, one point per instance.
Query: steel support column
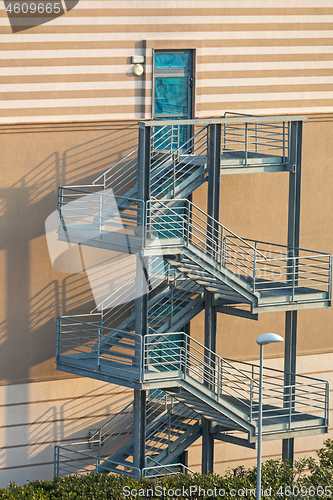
(139, 431)
(141, 302)
(213, 205)
(293, 241)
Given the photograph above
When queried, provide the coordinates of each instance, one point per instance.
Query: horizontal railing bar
(212, 121)
(113, 166)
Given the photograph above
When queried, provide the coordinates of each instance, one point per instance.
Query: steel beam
(141, 302)
(139, 430)
(294, 206)
(229, 438)
(144, 162)
(213, 206)
(207, 466)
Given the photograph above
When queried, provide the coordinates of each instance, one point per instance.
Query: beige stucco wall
(33, 166)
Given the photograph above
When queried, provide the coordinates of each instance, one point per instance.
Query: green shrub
(306, 479)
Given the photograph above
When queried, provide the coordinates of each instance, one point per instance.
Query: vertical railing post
(58, 341)
(174, 174)
(288, 141)
(327, 409)
(188, 222)
(254, 267)
(294, 278)
(59, 211)
(224, 251)
(169, 434)
(245, 143)
(256, 137)
(224, 136)
(330, 278)
(284, 141)
(251, 399)
(290, 405)
(56, 461)
(100, 214)
(218, 378)
(99, 442)
(142, 218)
(98, 347)
(172, 301)
(143, 356)
(185, 357)
(221, 247)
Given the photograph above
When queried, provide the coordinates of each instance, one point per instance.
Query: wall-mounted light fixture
(138, 70)
(138, 61)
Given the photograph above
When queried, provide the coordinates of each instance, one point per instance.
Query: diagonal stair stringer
(221, 273)
(222, 407)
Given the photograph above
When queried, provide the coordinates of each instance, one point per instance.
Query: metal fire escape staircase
(192, 252)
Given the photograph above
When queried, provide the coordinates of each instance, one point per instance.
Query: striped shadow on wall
(255, 58)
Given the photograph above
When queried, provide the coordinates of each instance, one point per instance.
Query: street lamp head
(269, 338)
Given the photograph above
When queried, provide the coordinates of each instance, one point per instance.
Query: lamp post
(266, 338)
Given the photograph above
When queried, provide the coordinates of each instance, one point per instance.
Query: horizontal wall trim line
(269, 111)
(174, 29)
(64, 126)
(192, 4)
(43, 401)
(48, 124)
(13, 467)
(128, 96)
(202, 35)
(258, 50)
(271, 96)
(73, 102)
(278, 80)
(74, 118)
(66, 70)
(265, 65)
(41, 443)
(126, 21)
(57, 420)
(75, 86)
(118, 54)
(67, 53)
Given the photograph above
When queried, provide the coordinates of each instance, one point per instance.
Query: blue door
(173, 82)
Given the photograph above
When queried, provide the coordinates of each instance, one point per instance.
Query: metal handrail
(167, 467)
(174, 356)
(130, 280)
(107, 424)
(268, 369)
(212, 121)
(190, 215)
(189, 360)
(114, 166)
(183, 220)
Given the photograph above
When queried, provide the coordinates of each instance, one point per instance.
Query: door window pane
(171, 96)
(172, 60)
